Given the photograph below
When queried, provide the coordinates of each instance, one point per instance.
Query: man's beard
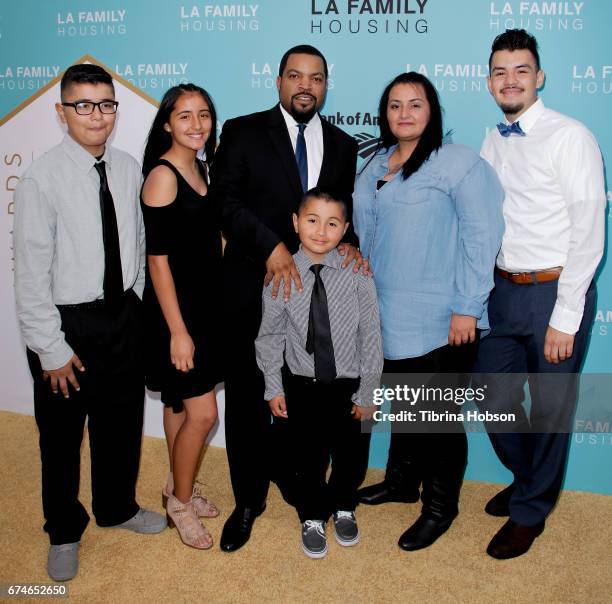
(300, 116)
(511, 109)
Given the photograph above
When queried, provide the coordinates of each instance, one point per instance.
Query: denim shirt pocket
(417, 189)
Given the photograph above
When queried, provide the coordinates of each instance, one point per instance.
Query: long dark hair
(159, 140)
(431, 139)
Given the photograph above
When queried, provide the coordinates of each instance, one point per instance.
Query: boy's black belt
(94, 304)
(312, 380)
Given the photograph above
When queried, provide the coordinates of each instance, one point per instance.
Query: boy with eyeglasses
(79, 274)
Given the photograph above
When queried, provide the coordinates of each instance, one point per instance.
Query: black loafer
(383, 492)
(513, 540)
(424, 532)
(499, 505)
(237, 529)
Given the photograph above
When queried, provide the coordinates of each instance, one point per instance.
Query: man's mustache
(312, 96)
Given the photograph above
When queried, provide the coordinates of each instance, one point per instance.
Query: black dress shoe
(513, 540)
(237, 529)
(499, 505)
(383, 492)
(424, 532)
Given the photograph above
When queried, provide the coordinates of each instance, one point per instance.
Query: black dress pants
(111, 398)
(252, 440)
(323, 429)
(437, 459)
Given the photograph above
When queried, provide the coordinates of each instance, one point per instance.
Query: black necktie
(319, 340)
(113, 276)
(301, 156)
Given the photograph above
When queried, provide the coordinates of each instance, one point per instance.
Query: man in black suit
(264, 163)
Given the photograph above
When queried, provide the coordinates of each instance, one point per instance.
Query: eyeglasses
(88, 107)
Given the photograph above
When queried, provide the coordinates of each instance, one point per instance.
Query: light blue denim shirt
(432, 241)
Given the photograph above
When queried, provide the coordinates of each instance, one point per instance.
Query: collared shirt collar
(303, 261)
(82, 158)
(530, 117)
(290, 120)
(381, 167)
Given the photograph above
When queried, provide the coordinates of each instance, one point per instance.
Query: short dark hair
(85, 73)
(323, 195)
(159, 141)
(515, 39)
(301, 49)
(431, 139)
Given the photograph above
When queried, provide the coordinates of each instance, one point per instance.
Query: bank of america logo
(366, 144)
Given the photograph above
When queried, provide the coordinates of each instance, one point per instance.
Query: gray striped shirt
(354, 321)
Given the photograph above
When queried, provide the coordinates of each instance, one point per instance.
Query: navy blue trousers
(536, 449)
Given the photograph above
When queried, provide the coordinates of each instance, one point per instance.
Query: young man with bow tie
(543, 304)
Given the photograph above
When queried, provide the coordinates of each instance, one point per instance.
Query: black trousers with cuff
(111, 399)
(322, 429)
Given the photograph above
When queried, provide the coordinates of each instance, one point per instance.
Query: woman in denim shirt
(429, 218)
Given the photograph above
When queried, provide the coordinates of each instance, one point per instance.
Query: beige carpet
(570, 562)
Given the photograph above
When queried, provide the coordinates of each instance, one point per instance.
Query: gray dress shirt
(354, 321)
(59, 251)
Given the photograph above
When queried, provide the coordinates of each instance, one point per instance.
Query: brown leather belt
(531, 277)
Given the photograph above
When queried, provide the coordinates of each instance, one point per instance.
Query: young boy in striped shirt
(321, 355)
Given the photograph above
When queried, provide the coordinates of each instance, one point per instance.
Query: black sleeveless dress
(188, 232)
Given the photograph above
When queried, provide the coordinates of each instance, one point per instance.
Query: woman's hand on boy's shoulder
(278, 406)
(353, 253)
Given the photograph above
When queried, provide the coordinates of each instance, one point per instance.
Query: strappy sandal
(204, 507)
(183, 516)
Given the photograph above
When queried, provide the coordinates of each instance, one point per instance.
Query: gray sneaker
(347, 532)
(63, 561)
(144, 521)
(314, 542)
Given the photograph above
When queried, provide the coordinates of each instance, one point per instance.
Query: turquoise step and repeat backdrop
(233, 50)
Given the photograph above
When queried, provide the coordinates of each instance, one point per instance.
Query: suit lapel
(329, 152)
(283, 147)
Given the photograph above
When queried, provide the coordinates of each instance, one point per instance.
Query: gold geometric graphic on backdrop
(55, 80)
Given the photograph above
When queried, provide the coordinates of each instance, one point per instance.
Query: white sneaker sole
(344, 542)
(314, 555)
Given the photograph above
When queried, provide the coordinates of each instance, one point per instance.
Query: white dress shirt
(554, 208)
(313, 135)
(59, 249)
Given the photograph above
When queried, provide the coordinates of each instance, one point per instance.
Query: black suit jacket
(255, 179)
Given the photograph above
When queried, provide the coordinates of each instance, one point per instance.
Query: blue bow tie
(513, 128)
